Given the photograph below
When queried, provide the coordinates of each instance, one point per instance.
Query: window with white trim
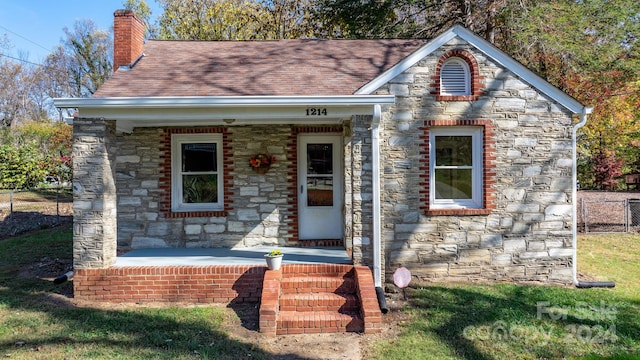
(455, 78)
(196, 172)
(455, 167)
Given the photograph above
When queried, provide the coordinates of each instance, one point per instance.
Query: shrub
(23, 167)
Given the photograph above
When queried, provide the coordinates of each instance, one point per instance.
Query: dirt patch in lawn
(242, 325)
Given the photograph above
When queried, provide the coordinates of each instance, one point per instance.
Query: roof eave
(222, 101)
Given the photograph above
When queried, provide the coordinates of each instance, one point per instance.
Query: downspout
(375, 179)
(580, 284)
(377, 228)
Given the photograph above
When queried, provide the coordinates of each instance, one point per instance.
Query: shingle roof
(237, 68)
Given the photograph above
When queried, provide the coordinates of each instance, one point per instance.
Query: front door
(320, 195)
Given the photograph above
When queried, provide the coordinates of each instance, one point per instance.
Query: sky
(35, 27)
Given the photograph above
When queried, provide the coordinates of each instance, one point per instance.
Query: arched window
(455, 78)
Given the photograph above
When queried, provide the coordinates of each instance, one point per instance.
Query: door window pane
(319, 174)
(320, 191)
(319, 159)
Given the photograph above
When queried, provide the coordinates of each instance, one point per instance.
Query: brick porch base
(299, 298)
(191, 284)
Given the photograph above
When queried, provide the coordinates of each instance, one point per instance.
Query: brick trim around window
(164, 182)
(474, 72)
(488, 168)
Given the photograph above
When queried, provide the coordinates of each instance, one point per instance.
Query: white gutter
(375, 159)
(574, 226)
(222, 101)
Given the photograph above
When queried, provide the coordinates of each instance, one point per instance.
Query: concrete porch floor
(223, 256)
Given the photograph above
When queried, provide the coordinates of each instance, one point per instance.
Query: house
(444, 156)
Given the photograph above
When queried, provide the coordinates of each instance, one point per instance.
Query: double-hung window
(455, 167)
(196, 172)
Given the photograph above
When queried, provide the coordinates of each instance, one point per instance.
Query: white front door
(320, 195)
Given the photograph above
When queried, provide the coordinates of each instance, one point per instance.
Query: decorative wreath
(261, 161)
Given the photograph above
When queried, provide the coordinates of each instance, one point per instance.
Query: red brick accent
(165, 171)
(489, 166)
(269, 303)
(476, 79)
(189, 284)
(370, 309)
(128, 38)
(292, 173)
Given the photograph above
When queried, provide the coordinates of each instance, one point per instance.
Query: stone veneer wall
(359, 190)
(527, 234)
(94, 194)
(258, 205)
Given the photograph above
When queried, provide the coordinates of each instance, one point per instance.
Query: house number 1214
(317, 112)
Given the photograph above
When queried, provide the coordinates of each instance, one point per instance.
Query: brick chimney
(128, 38)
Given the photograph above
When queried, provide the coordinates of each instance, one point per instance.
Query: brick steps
(318, 284)
(319, 302)
(300, 299)
(308, 322)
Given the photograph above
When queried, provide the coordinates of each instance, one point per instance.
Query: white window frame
(466, 77)
(476, 201)
(176, 172)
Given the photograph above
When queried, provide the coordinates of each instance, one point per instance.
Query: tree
(236, 19)
(90, 62)
(589, 49)
(12, 92)
(411, 18)
(287, 19)
(607, 168)
(211, 20)
(357, 19)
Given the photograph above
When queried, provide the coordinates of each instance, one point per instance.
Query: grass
(612, 257)
(502, 321)
(35, 324)
(508, 321)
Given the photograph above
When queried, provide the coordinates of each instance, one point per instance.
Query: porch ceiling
(223, 256)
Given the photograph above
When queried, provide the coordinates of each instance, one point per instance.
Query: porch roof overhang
(130, 112)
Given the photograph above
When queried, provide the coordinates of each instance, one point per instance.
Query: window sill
(186, 214)
(457, 97)
(460, 212)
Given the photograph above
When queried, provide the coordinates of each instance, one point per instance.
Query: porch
(225, 256)
(316, 290)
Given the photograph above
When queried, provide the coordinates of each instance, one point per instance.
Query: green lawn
(530, 322)
(35, 325)
(442, 322)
